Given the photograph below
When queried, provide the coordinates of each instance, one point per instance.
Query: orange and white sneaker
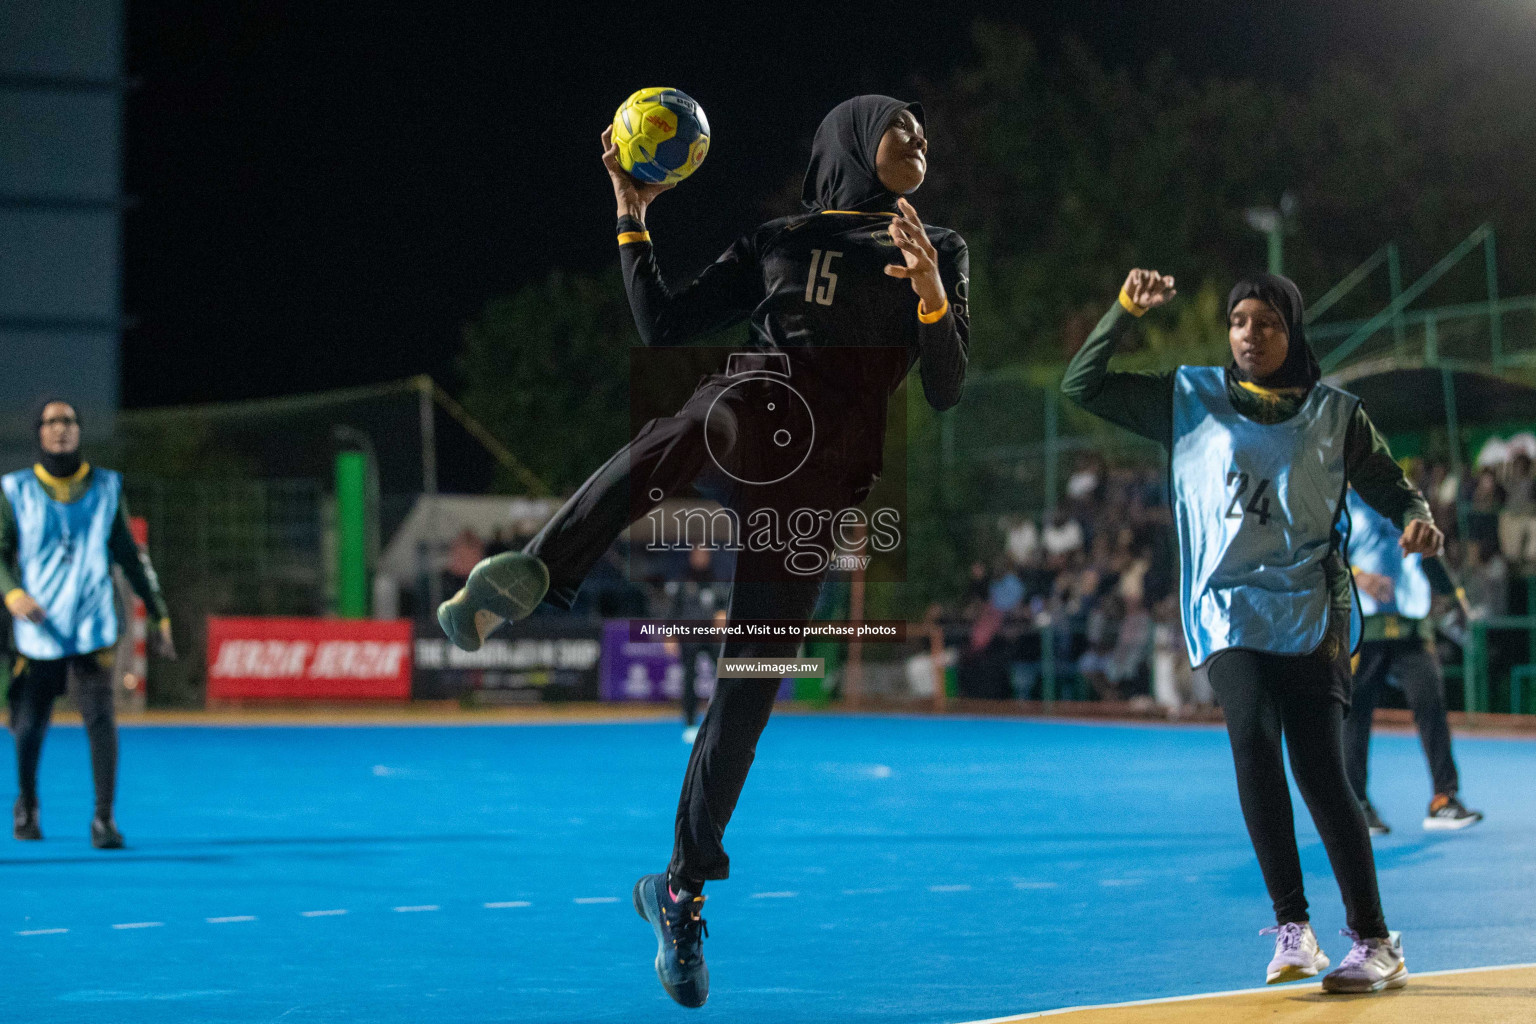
(1447, 814)
(1297, 955)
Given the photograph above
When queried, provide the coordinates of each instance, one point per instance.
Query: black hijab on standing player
(1300, 369)
(62, 464)
(842, 174)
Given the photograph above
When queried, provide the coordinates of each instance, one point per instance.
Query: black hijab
(64, 464)
(1300, 369)
(842, 173)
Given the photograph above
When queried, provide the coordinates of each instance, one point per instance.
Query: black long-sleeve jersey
(814, 286)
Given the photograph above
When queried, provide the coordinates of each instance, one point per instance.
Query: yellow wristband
(12, 594)
(1131, 307)
(629, 237)
(934, 317)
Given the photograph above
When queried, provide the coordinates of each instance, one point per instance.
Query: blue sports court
(884, 868)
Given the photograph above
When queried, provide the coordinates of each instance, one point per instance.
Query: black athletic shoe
(24, 816)
(1373, 820)
(1446, 814)
(680, 931)
(104, 834)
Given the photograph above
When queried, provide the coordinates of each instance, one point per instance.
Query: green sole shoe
(503, 588)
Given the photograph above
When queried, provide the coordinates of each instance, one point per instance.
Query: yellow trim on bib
(60, 487)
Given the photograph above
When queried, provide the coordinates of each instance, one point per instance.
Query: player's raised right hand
(1149, 289)
(633, 197)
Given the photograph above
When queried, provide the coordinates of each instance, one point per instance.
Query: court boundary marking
(1037, 1014)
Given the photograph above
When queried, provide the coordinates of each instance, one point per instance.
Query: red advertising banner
(308, 659)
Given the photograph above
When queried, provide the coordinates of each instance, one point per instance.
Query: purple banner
(644, 671)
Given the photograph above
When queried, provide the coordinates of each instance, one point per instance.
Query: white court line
(1234, 992)
(139, 924)
(418, 910)
(508, 903)
(1034, 885)
(321, 913)
(949, 888)
(231, 920)
(1112, 882)
(863, 892)
(44, 931)
(786, 895)
(596, 899)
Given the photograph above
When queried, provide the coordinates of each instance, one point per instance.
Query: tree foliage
(547, 371)
(1063, 175)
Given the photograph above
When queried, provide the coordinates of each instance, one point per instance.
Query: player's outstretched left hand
(1422, 538)
(922, 259)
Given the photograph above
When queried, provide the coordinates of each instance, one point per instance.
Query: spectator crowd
(1086, 595)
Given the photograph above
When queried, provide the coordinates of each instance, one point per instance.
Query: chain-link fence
(230, 547)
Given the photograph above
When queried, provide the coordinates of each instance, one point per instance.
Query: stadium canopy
(1403, 398)
(1464, 365)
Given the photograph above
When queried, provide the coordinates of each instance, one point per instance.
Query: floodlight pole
(427, 412)
(428, 435)
(1271, 222)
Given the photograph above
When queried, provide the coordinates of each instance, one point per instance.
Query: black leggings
(88, 679)
(1265, 697)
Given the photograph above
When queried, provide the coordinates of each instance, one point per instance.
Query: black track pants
(1409, 665)
(663, 459)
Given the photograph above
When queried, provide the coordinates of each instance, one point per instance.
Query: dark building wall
(61, 99)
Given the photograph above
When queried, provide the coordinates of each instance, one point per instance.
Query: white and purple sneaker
(1372, 965)
(1297, 954)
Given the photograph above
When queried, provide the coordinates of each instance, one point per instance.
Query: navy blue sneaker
(502, 588)
(680, 932)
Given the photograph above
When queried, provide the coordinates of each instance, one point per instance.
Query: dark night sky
(327, 192)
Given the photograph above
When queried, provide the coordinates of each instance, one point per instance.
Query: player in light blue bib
(1397, 648)
(63, 526)
(1260, 453)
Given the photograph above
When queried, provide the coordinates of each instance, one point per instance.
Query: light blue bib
(1373, 548)
(1255, 508)
(65, 564)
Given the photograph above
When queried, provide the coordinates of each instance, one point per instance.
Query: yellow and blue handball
(662, 135)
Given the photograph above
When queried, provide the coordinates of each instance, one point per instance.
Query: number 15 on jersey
(821, 282)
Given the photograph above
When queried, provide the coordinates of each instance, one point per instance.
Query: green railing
(1474, 661)
(1470, 335)
(1476, 332)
